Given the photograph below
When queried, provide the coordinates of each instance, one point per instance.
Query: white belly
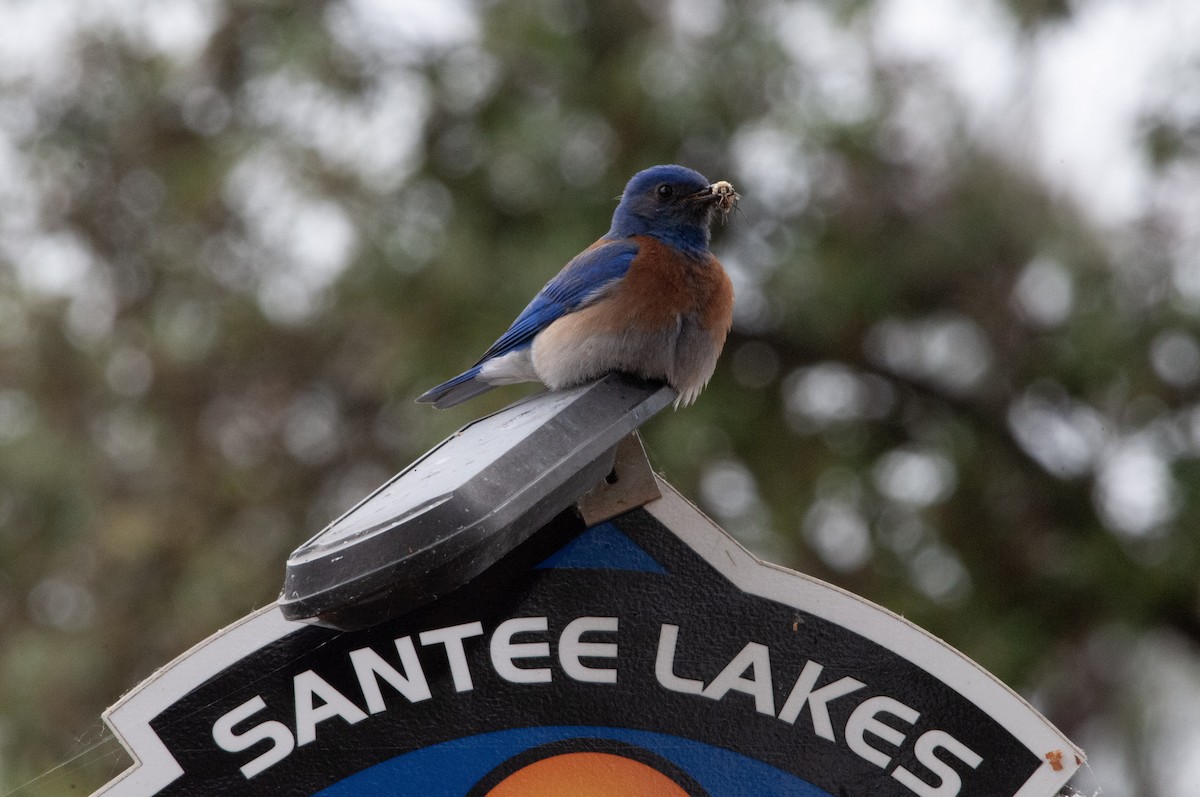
(509, 369)
(569, 352)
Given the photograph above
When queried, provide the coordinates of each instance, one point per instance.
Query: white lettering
(571, 649)
(950, 782)
(863, 720)
(816, 699)
(940, 761)
(452, 638)
(276, 732)
(664, 664)
(307, 685)
(369, 666)
(504, 650)
(757, 659)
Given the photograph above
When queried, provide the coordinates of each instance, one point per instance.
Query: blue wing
(586, 277)
(580, 281)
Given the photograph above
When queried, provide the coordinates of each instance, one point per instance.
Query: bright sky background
(1087, 84)
(1070, 101)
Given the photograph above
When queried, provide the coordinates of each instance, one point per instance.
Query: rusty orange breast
(663, 285)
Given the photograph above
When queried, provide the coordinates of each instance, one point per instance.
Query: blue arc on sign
(602, 547)
(452, 768)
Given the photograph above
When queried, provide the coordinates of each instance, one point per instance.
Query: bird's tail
(466, 385)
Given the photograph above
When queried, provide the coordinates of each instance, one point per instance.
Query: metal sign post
(529, 610)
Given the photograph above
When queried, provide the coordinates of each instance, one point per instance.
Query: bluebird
(648, 299)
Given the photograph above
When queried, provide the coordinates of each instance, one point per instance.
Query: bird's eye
(664, 191)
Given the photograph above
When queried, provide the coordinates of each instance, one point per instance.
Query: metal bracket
(630, 484)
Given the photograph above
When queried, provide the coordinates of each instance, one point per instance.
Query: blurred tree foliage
(239, 238)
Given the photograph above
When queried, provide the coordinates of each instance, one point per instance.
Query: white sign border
(756, 577)
(154, 767)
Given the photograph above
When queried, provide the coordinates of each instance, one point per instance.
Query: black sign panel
(649, 652)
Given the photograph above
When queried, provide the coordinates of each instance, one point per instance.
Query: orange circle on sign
(587, 774)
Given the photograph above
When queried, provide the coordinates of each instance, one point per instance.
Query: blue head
(671, 203)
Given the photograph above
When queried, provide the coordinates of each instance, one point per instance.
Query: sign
(647, 654)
